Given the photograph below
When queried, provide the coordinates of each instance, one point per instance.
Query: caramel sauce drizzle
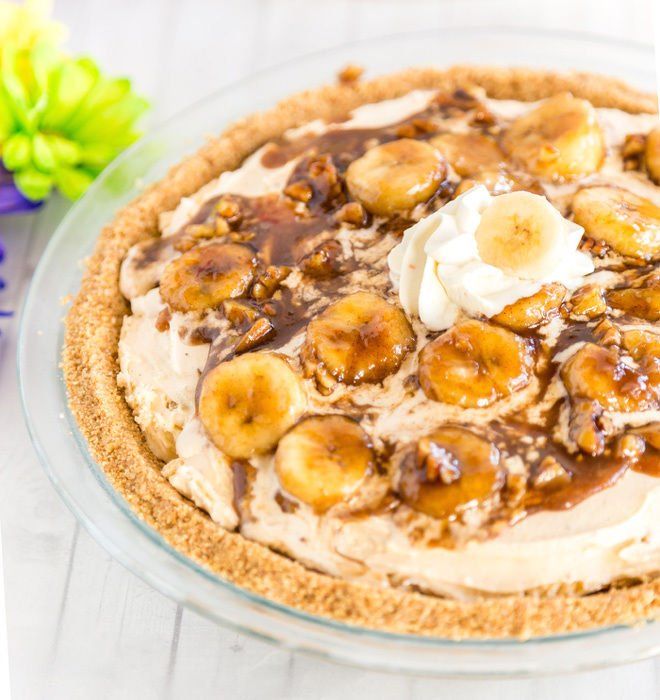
(286, 230)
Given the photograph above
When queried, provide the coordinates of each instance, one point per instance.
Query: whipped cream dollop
(439, 271)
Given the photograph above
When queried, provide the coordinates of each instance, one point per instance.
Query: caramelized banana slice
(248, 403)
(652, 155)
(644, 347)
(205, 276)
(588, 302)
(480, 161)
(599, 374)
(641, 300)
(533, 311)
(471, 153)
(598, 379)
(624, 221)
(558, 140)
(452, 469)
(396, 176)
(474, 364)
(360, 338)
(323, 460)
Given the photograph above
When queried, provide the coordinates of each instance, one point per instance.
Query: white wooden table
(81, 626)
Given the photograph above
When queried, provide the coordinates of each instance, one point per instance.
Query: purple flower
(2, 282)
(11, 200)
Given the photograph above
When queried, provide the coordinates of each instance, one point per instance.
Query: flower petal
(72, 182)
(17, 152)
(69, 86)
(33, 184)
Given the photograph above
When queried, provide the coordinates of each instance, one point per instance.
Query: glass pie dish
(103, 511)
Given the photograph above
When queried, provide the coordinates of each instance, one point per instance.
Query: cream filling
(159, 373)
(203, 474)
(611, 534)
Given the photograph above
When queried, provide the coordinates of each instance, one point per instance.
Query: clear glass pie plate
(107, 516)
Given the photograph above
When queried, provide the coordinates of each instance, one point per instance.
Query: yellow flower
(28, 24)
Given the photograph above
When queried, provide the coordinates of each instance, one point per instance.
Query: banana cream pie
(391, 353)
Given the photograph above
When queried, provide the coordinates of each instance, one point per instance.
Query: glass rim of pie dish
(101, 509)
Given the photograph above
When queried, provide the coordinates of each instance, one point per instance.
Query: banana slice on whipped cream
(480, 253)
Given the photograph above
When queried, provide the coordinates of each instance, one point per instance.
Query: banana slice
(599, 379)
(205, 276)
(522, 234)
(469, 153)
(558, 140)
(396, 176)
(641, 300)
(360, 338)
(247, 403)
(652, 155)
(323, 460)
(451, 469)
(474, 364)
(644, 347)
(480, 161)
(627, 223)
(533, 311)
(598, 374)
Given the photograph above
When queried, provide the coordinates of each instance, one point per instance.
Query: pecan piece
(260, 331)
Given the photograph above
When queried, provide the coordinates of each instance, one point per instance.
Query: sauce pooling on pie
(340, 410)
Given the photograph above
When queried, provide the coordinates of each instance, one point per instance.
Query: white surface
(80, 626)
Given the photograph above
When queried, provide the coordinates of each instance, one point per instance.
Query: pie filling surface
(418, 347)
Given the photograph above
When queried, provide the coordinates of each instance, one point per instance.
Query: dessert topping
(480, 254)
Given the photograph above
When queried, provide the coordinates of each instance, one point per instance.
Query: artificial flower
(28, 24)
(61, 120)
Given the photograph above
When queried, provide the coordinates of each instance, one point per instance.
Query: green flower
(61, 120)
(29, 24)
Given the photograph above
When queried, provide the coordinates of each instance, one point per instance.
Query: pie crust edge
(90, 368)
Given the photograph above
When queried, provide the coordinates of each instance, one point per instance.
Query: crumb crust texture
(116, 443)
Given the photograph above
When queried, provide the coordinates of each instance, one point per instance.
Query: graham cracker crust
(116, 442)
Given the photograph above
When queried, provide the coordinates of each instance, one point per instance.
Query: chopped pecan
(192, 234)
(269, 281)
(163, 320)
(260, 331)
(229, 208)
(588, 426)
(324, 261)
(630, 446)
(350, 73)
(454, 103)
(632, 151)
(484, 117)
(239, 313)
(416, 127)
(315, 182)
(550, 474)
(301, 191)
(608, 333)
(353, 213)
